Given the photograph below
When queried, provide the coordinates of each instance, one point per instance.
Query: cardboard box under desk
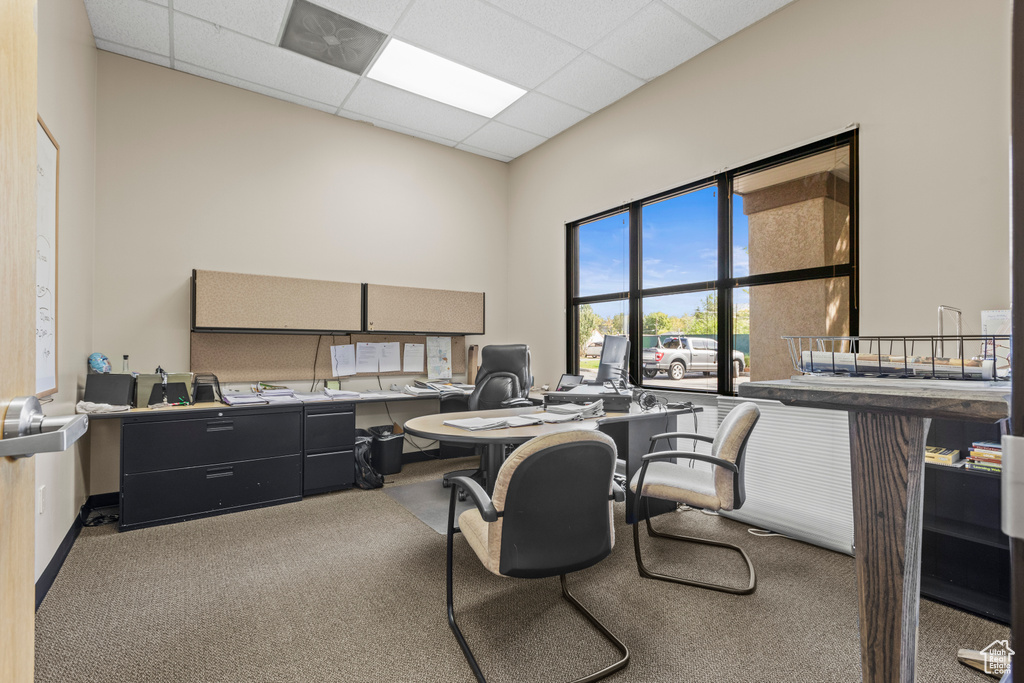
(144, 385)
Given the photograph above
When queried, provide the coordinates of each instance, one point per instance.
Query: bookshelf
(965, 556)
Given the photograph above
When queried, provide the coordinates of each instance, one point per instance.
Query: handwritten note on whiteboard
(47, 164)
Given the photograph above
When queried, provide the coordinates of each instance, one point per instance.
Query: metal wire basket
(971, 357)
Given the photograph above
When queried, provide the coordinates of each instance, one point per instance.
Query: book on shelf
(984, 467)
(940, 455)
(958, 463)
(985, 457)
(988, 445)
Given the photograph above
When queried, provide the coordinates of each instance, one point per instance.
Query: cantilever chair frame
(490, 514)
(738, 495)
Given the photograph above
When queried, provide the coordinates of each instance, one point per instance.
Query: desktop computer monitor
(614, 366)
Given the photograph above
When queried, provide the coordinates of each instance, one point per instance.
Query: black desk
(631, 432)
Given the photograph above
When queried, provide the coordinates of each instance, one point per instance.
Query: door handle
(28, 431)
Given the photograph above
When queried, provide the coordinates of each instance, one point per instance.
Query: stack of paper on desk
(477, 423)
(594, 409)
(341, 393)
(243, 399)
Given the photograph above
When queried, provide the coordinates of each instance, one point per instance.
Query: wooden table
(631, 432)
(888, 425)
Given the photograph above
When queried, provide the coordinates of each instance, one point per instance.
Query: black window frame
(724, 285)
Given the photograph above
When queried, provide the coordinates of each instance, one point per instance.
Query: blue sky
(680, 246)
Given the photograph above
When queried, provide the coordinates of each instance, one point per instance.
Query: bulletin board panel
(281, 357)
(432, 311)
(234, 301)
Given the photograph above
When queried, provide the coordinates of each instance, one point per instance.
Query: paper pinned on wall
(391, 357)
(368, 357)
(413, 360)
(343, 360)
(439, 357)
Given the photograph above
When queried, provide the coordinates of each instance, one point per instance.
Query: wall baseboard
(49, 574)
(100, 500)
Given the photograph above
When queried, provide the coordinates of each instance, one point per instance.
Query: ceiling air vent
(330, 38)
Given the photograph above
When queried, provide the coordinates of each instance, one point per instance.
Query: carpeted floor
(350, 587)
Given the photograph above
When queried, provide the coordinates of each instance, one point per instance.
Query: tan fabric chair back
(730, 444)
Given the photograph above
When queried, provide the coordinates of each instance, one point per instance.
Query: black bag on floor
(366, 476)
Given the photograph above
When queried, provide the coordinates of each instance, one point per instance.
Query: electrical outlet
(41, 500)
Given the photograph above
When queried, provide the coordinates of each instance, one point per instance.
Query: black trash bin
(386, 450)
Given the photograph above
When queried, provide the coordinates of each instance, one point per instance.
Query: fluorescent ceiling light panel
(429, 75)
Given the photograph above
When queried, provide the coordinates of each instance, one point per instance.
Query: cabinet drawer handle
(220, 425)
(223, 471)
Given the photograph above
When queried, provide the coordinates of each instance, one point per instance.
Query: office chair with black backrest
(503, 381)
(550, 514)
(720, 488)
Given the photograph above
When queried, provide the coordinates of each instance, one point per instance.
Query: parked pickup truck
(678, 355)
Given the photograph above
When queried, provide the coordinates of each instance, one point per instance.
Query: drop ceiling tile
(401, 108)
(134, 53)
(131, 23)
(590, 84)
(377, 123)
(722, 18)
(505, 140)
(260, 19)
(485, 38)
(483, 153)
(541, 115)
(253, 87)
(232, 54)
(653, 41)
(379, 14)
(581, 22)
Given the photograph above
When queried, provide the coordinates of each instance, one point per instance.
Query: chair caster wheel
(462, 495)
(445, 483)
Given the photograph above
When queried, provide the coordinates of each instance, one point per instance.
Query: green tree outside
(655, 323)
(589, 323)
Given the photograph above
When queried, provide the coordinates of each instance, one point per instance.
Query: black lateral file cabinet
(177, 466)
(329, 434)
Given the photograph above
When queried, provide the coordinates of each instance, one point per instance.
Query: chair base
(596, 676)
(647, 573)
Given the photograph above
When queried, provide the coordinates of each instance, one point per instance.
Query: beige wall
(197, 174)
(928, 81)
(67, 103)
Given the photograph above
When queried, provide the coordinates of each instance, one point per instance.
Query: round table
(433, 427)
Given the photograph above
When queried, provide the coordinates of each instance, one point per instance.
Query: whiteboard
(47, 174)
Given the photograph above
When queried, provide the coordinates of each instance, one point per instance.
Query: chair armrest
(683, 435)
(618, 493)
(516, 403)
(669, 455)
(480, 498)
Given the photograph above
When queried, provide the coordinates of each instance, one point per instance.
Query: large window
(706, 279)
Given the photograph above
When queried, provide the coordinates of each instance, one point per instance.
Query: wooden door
(17, 328)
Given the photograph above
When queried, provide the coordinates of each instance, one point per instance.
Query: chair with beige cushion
(550, 514)
(717, 488)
